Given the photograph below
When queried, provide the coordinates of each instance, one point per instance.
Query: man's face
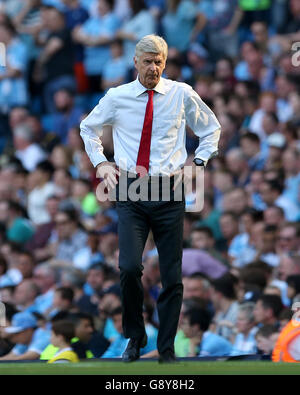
(201, 240)
(259, 312)
(288, 239)
(194, 287)
(84, 330)
(150, 67)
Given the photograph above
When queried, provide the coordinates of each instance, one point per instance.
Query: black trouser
(165, 219)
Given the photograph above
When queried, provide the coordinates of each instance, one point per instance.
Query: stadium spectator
(67, 237)
(140, 23)
(267, 310)
(266, 338)
(115, 69)
(195, 324)
(95, 35)
(67, 114)
(223, 296)
(29, 340)
(13, 90)
(117, 347)
(26, 150)
(244, 339)
(62, 333)
(54, 65)
(42, 190)
(289, 265)
(45, 277)
(25, 294)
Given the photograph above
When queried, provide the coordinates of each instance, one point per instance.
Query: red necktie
(144, 150)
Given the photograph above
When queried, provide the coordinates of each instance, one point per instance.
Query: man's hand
(108, 171)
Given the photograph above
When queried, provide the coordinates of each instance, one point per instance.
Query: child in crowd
(61, 334)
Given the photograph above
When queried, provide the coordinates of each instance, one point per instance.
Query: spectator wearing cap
(29, 340)
(223, 296)
(26, 150)
(43, 189)
(67, 114)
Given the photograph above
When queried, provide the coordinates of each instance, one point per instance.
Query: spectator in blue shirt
(96, 34)
(67, 116)
(181, 24)
(30, 341)
(13, 89)
(202, 342)
(115, 70)
(118, 346)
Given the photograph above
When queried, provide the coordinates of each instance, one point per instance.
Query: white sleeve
(91, 128)
(294, 348)
(204, 124)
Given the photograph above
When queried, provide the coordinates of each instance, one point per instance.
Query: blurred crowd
(59, 244)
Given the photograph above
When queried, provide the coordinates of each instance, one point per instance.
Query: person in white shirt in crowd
(29, 152)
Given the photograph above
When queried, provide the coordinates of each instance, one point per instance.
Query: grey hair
(153, 44)
(247, 308)
(23, 131)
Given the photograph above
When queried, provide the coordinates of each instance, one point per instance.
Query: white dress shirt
(175, 104)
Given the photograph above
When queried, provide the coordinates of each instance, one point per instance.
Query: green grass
(151, 368)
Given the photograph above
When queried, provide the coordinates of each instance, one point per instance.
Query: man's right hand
(109, 172)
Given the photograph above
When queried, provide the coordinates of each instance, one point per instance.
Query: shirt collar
(160, 87)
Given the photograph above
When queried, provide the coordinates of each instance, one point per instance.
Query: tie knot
(150, 92)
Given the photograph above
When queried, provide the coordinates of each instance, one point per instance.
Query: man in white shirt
(149, 117)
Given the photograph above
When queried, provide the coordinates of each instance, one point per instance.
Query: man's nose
(152, 66)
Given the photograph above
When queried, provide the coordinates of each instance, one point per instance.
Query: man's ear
(135, 61)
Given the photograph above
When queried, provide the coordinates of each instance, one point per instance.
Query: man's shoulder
(121, 89)
(169, 84)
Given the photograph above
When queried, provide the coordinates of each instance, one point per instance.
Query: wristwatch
(199, 162)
